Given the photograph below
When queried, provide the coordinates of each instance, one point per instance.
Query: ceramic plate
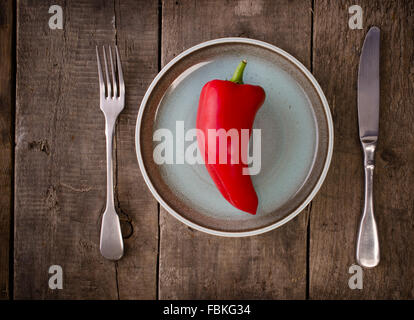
(296, 134)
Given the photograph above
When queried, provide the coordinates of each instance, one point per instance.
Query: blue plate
(296, 136)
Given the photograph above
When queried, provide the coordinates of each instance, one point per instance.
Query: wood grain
(6, 140)
(137, 37)
(337, 208)
(194, 265)
(60, 152)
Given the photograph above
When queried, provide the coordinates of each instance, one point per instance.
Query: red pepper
(229, 105)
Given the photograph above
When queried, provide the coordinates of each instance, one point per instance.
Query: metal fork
(111, 243)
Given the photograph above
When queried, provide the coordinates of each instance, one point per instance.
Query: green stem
(238, 74)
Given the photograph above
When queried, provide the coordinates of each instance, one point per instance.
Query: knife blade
(368, 86)
(367, 249)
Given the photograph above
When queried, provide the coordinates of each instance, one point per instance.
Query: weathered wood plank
(194, 265)
(336, 210)
(137, 38)
(6, 140)
(60, 152)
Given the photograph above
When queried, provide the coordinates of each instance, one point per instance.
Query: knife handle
(367, 251)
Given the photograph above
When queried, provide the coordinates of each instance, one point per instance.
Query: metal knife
(367, 250)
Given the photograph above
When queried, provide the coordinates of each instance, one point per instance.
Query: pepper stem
(238, 74)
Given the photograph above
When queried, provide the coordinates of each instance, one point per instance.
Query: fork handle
(109, 133)
(111, 242)
(367, 252)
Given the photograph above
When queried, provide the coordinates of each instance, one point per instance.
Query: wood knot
(40, 145)
(51, 198)
(127, 227)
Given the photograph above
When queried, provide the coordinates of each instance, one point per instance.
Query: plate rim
(328, 157)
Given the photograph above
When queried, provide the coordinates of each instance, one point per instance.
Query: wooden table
(52, 160)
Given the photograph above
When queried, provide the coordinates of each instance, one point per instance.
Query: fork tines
(110, 91)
